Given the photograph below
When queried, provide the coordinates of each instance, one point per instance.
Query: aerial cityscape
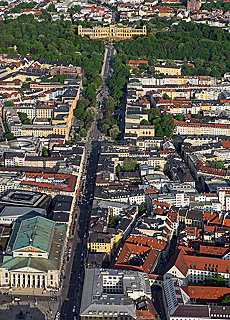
(114, 160)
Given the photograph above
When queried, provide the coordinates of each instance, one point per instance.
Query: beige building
(44, 111)
(32, 130)
(42, 162)
(111, 32)
(136, 118)
(168, 70)
(133, 130)
(189, 128)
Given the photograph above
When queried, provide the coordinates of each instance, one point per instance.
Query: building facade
(34, 255)
(111, 32)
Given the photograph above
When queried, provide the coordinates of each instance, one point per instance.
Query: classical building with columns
(34, 254)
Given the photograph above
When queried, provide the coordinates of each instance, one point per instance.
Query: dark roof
(96, 259)
(100, 237)
(192, 311)
(64, 198)
(61, 217)
(62, 207)
(195, 214)
(62, 204)
(218, 312)
(185, 176)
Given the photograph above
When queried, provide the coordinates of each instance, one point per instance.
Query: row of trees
(85, 112)
(91, 83)
(109, 124)
(120, 77)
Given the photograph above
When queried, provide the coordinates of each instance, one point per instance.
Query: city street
(70, 299)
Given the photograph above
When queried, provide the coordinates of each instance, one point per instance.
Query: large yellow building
(102, 242)
(30, 130)
(111, 32)
(44, 111)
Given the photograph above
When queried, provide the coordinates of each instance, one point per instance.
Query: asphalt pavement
(70, 299)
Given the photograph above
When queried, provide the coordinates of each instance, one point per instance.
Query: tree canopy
(218, 165)
(129, 164)
(208, 47)
(57, 40)
(24, 118)
(216, 280)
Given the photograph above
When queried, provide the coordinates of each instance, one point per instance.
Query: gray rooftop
(100, 298)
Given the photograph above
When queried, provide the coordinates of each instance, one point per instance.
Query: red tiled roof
(206, 294)
(226, 144)
(67, 181)
(144, 314)
(195, 124)
(138, 61)
(148, 241)
(161, 204)
(187, 250)
(183, 262)
(159, 211)
(148, 254)
(215, 251)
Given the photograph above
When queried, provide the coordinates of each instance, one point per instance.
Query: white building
(34, 255)
(178, 199)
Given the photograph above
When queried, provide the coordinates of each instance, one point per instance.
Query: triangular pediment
(27, 269)
(29, 249)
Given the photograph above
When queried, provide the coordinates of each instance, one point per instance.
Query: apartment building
(112, 293)
(36, 130)
(103, 242)
(134, 131)
(190, 128)
(168, 70)
(29, 109)
(194, 269)
(44, 111)
(49, 183)
(149, 143)
(111, 32)
(14, 159)
(13, 122)
(224, 198)
(178, 199)
(42, 162)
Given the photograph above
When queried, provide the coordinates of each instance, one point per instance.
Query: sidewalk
(32, 292)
